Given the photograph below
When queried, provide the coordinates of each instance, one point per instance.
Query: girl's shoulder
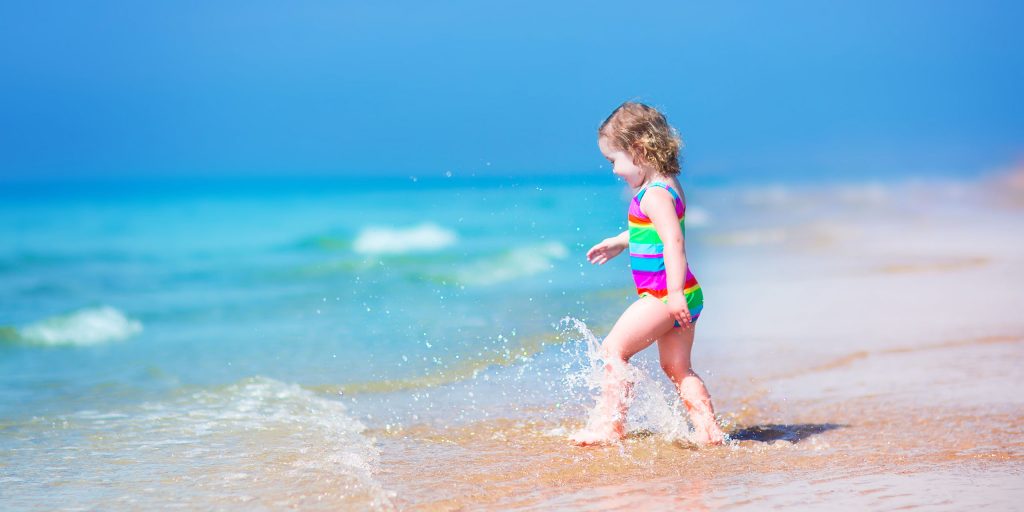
(671, 187)
(667, 191)
(678, 188)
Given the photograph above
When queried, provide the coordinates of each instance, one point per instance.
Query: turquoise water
(203, 331)
(324, 284)
(148, 317)
(252, 344)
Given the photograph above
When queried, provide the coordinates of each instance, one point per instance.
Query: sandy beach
(333, 256)
(870, 360)
(861, 342)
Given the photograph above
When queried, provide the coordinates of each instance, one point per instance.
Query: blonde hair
(644, 133)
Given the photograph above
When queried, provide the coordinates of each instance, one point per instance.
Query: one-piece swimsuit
(647, 255)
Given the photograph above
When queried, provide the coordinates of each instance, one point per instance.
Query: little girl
(644, 151)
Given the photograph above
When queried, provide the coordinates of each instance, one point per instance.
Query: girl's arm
(659, 205)
(608, 248)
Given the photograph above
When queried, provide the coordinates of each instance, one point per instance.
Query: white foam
(867, 194)
(262, 439)
(750, 237)
(385, 240)
(514, 264)
(697, 216)
(770, 195)
(89, 326)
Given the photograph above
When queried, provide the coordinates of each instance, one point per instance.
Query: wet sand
(862, 344)
(876, 368)
(873, 446)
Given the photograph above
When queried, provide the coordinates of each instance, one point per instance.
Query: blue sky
(760, 90)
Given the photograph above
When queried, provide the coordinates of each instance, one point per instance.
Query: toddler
(644, 151)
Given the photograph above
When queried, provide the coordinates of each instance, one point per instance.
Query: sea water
(187, 334)
(254, 343)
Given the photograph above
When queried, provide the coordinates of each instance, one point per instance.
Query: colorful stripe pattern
(647, 255)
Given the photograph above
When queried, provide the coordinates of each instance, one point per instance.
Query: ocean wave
(258, 441)
(514, 264)
(766, 196)
(88, 326)
(697, 216)
(816, 234)
(750, 237)
(869, 194)
(324, 243)
(783, 197)
(385, 240)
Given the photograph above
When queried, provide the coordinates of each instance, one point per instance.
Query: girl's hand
(678, 309)
(606, 250)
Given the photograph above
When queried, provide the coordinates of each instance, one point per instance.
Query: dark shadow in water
(791, 433)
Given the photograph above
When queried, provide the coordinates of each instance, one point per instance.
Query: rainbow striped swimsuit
(647, 255)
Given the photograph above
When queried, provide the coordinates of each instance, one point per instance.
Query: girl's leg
(674, 350)
(641, 324)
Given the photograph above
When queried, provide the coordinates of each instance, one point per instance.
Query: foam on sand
(255, 444)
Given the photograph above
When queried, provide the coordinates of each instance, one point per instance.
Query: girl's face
(622, 163)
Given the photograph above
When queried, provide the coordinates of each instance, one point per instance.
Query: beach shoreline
(860, 342)
(866, 393)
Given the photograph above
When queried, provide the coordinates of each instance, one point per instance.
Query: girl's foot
(593, 436)
(702, 413)
(706, 430)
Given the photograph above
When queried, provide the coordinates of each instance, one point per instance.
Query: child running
(644, 151)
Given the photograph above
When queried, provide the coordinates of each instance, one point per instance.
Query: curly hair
(644, 133)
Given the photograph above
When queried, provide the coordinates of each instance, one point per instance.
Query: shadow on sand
(791, 433)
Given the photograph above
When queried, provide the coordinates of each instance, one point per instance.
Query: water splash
(653, 407)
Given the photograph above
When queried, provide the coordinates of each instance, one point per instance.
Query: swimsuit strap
(640, 195)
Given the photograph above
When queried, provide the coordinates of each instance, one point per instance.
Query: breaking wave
(258, 443)
(514, 264)
(88, 326)
(385, 240)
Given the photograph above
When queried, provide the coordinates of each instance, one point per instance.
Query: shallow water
(269, 346)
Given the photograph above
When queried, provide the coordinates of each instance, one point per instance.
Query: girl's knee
(675, 371)
(614, 357)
